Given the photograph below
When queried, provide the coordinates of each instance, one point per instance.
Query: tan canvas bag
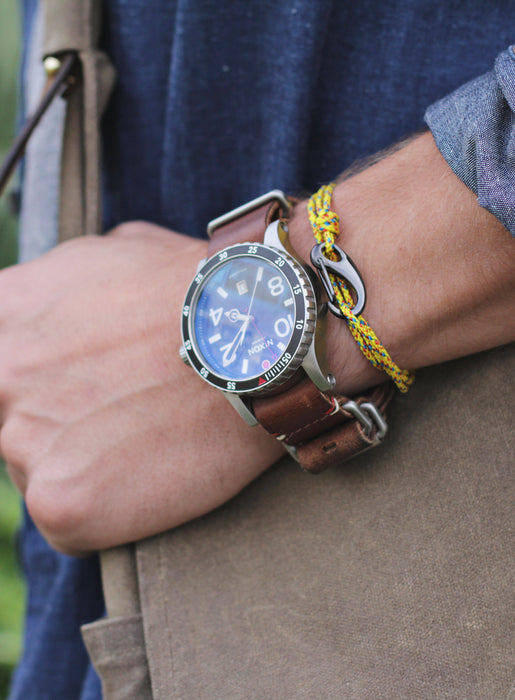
(387, 578)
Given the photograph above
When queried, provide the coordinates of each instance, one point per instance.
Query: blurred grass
(11, 586)
(9, 62)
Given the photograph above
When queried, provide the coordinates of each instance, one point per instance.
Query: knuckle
(136, 229)
(5, 360)
(12, 444)
(18, 477)
(57, 511)
(11, 366)
(127, 228)
(13, 289)
(56, 494)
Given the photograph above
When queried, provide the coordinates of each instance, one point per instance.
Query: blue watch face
(248, 318)
(244, 317)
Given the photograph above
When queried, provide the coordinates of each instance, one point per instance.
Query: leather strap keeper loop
(317, 425)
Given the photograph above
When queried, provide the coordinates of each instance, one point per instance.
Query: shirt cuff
(474, 128)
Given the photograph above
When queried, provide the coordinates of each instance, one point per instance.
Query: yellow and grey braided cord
(325, 225)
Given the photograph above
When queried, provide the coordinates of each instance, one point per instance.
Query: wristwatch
(254, 325)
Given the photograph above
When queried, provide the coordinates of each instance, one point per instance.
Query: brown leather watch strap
(249, 228)
(324, 429)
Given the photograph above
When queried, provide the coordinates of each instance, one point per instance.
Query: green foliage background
(11, 586)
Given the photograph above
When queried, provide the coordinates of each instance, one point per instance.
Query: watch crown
(184, 356)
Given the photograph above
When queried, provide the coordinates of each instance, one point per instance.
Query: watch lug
(239, 405)
(273, 234)
(315, 361)
(201, 264)
(277, 236)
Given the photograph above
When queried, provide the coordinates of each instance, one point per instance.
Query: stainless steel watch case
(310, 350)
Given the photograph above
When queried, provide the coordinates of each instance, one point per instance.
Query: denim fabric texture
(217, 103)
(288, 94)
(63, 594)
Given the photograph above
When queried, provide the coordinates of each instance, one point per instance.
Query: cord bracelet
(337, 272)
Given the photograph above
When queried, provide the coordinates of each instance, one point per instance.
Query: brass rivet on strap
(51, 65)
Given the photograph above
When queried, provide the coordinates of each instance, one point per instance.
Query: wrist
(353, 372)
(439, 270)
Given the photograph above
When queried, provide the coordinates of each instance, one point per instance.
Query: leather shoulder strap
(74, 28)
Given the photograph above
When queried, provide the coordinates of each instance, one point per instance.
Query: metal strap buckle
(369, 416)
(272, 196)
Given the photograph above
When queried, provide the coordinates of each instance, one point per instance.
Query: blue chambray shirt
(474, 130)
(219, 102)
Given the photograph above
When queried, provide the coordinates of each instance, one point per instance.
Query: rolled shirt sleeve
(474, 128)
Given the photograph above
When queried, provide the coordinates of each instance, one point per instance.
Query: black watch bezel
(303, 327)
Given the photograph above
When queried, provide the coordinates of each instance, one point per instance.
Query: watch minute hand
(230, 350)
(259, 277)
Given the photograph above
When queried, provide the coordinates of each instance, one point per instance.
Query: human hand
(107, 434)
(111, 438)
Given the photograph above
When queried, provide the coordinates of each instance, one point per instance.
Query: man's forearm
(111, 438)
(439, 269)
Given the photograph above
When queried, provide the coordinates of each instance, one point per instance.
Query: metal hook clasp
(344, 268)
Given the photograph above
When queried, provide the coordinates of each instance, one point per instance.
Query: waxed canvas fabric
(387, 577)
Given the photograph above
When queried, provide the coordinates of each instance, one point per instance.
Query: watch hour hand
(230, 350)
(234, 315)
